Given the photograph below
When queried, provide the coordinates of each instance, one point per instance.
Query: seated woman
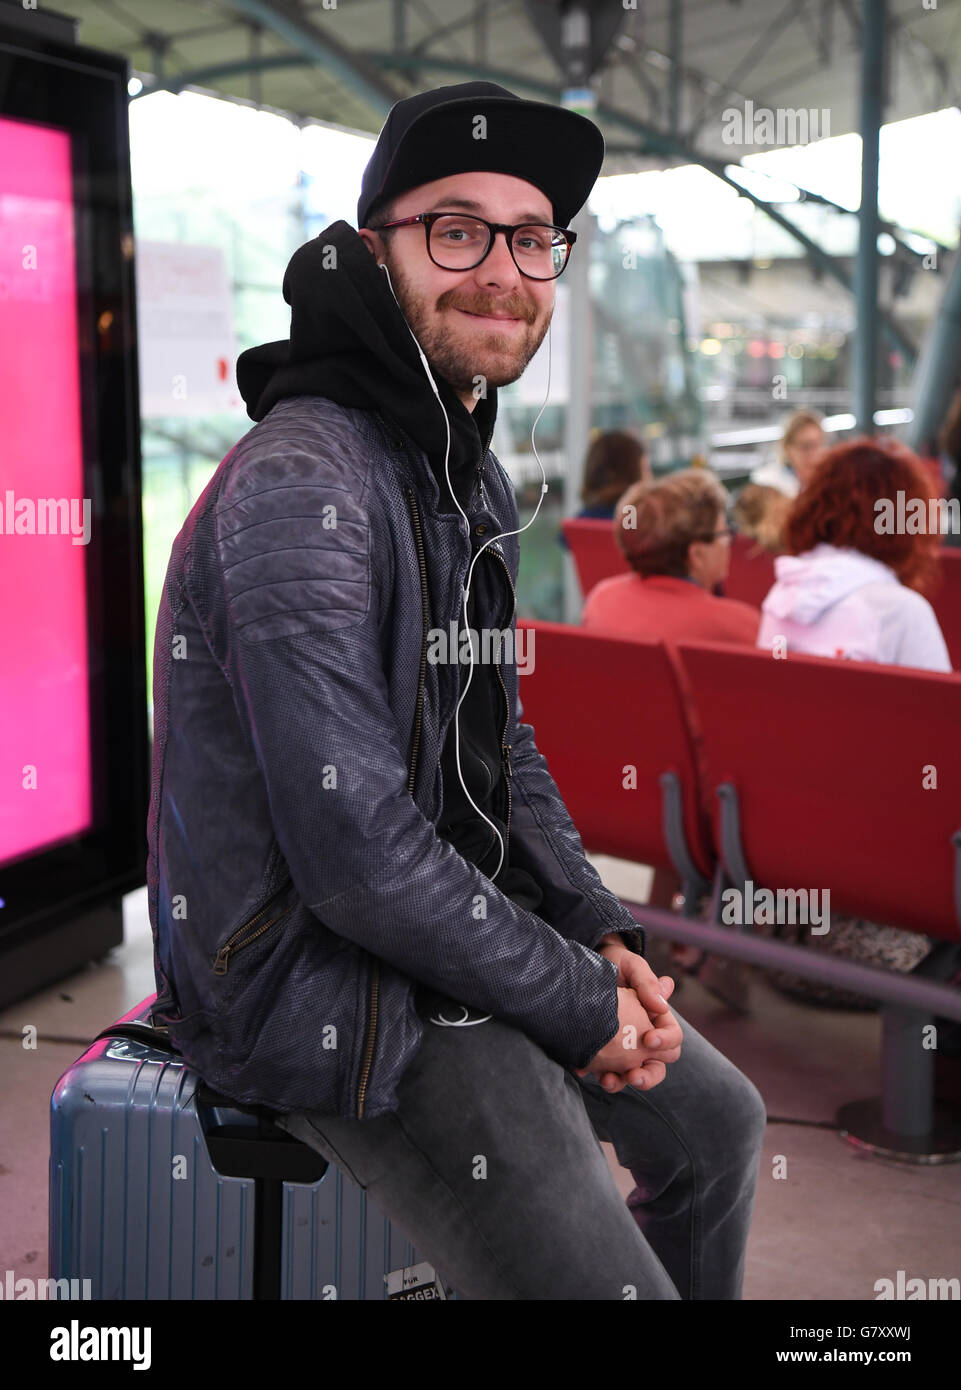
(761, 508)
(615, 460)
(849, 588)
(675, 537)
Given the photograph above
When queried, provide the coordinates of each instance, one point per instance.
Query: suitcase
(162, 1189)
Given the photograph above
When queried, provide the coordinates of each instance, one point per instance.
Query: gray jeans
(492, 1167)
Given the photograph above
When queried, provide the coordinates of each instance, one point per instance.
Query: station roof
(665, 73)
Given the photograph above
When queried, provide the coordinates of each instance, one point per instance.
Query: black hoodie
(350, 343)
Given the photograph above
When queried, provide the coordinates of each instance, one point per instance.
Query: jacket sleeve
(299, 635)
(548, 845)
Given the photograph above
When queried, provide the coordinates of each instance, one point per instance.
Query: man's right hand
(635, 1063)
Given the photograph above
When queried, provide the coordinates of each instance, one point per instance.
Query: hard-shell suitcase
(161, 1189)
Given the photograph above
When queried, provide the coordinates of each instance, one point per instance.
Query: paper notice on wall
(185, 330)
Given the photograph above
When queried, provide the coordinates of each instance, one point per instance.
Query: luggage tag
(415, 1282)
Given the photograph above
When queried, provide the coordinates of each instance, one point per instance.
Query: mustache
(515, 307)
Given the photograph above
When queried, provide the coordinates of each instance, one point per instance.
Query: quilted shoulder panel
(292, 525)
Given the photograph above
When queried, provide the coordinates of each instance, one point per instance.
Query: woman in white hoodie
(850, 587)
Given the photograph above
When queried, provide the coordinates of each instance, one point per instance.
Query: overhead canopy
(668, 75)
(673, 81)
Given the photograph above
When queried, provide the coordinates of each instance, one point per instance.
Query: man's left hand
(633, 972)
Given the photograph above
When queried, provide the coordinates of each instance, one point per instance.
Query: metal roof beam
(781, 21)
(676, 46)
(864, 364)
(356, 73)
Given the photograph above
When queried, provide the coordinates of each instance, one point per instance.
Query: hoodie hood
(809, 584)
(350, 342)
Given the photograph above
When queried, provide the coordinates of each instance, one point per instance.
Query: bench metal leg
(907, 1072)
(906, 1122)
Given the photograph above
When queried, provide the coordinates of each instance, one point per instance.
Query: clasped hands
(648, 1035)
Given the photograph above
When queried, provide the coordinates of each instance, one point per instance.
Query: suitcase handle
(140, 1032)
(155, 1037)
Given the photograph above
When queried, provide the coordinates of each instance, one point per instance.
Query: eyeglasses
(456, 242)
(715, 535)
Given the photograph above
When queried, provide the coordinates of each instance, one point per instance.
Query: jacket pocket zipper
(251, 929)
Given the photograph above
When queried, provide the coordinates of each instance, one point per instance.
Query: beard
(460, 353)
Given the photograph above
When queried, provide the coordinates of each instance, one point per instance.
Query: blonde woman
(761, 508)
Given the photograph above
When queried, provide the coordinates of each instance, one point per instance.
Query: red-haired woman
(860, 551)
(850, 587)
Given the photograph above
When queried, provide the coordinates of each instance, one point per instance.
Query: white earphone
(467, 1023)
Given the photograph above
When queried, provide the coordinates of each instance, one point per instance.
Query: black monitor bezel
(84, 91)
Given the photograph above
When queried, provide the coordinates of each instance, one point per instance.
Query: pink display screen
(45, 760)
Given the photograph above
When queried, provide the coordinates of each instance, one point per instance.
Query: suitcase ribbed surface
(137, 1207)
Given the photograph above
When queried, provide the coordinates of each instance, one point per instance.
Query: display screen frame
(83, 92)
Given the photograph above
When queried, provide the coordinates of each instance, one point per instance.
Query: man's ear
(372, 241)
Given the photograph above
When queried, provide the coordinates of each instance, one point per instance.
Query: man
(328, 941)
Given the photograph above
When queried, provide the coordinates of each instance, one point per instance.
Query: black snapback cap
(433, 134)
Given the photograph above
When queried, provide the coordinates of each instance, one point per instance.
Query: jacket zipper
(240, 938)
(425, 609)
(505, 746)
(411, 779)
(506, 757)
(412, 773)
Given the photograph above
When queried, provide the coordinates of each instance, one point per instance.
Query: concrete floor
(837, 1222)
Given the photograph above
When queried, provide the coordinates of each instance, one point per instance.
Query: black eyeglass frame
(427, 219)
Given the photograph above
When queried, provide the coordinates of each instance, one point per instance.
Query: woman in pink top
(675, 537)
